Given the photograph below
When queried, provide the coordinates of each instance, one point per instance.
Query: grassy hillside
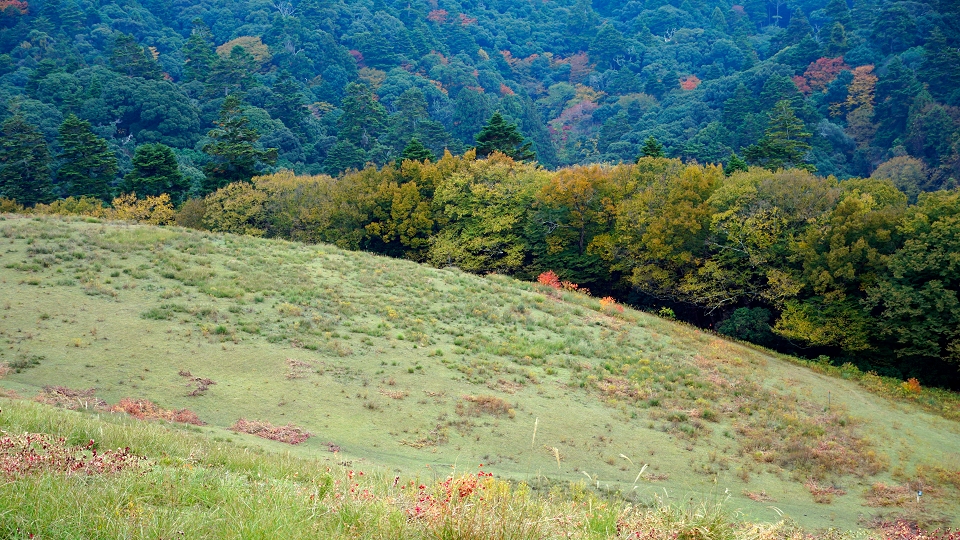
(409, 370)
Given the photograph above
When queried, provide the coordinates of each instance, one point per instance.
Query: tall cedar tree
(415, 151)
(735, 163)
(651, 148)
(198, 53)
(287, 103)
(24, 163)
(132, 60)
(363, 116)
(234, 154)
(88, 167)
(784, 144)
(500, 136)
(155, 171)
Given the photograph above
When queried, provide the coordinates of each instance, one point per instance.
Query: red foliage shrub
(14, 7)
(37, 452)
(289, 433)
(690, 82)
(549, 278)
(143, 409)
(438, 16)
(801, 84)
(823, 71)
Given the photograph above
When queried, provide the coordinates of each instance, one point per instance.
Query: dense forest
(828, 224)
(335, 85)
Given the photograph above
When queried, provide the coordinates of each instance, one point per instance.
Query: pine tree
(500, 136)
(652, 148)
(734, 164)
(941, 67)
(719, 21)
(896, 90)
(363, 116)
(234, 154)
(88, 167)
(198, 53)
(608, 44)
(24, 163)
(415, 151)
(132, 60)
(837, 42)
(736, 109)
(784, 144)
(797, 28)
(837, 10)
(155, 171)
(286, 104)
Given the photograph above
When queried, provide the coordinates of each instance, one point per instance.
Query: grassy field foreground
(410, 373)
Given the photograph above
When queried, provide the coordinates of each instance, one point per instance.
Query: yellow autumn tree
(156, 210)
(858, 106)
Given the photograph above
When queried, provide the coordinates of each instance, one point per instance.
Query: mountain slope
(421, 370)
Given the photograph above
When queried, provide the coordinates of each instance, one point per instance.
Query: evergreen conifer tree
(88, 167)
(286, 104)
(132, 60)
(784, 144)
(24, 163)
(735, 163)
(500, 136)
(198, 53)
(941, 68)
(155, 171)
(234, 154)
(415, 151)
(652, 148)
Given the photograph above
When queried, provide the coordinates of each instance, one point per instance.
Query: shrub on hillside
(143, 409)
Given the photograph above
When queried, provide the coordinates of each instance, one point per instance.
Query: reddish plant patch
(550, 279)
(28, 453)
(759, 496)
(289, 433)
(905, 529)
(143, 409)
(446, 500)
(203, 384)
(881, 494)
(823, 494)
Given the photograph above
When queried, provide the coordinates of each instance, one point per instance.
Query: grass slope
(423, 371)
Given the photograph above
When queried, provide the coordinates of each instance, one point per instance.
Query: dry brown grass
(289, 433)
(759, 496)
(67, 398)
(882, 495)
(297, 369)
(823, 494)
(484, 404)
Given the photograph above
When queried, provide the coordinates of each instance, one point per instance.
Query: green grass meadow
(399, 369)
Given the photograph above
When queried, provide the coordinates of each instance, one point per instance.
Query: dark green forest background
(851, 251)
